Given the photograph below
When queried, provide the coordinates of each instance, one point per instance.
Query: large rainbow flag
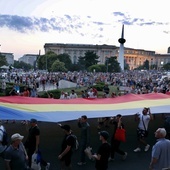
(56, 110)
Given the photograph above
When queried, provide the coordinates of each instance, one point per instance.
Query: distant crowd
(137, 82)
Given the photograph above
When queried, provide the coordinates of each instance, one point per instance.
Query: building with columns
(134, 57)
(29, 58)
(78, 50)
(9, 57)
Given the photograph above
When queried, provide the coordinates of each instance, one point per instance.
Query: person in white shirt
(73, 95)
(62, 95)
(2, 147)
(142, 130)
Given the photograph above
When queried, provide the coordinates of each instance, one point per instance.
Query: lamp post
(162, 63)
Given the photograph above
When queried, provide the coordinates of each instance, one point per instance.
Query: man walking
(85, 138)
(15, 155)
(103, 152)
(66, 148)
(33, 141)
(142, 130)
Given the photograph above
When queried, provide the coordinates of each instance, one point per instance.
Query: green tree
(3, 60)
(97, 68)
(166, 66)
(146, 64)
(65, 58)
(45, 61)
(58, 66)
(81, 63)
(22, 65)
(90, 59)
(112, 65)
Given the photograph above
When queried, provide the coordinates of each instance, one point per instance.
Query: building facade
(133, 57)
(78, 50)
(29, 58)
(9, 58)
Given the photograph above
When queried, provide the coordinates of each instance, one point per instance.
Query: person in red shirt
(26, 92)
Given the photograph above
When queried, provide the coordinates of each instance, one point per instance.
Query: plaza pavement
(52, 135)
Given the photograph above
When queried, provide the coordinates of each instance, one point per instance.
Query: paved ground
(51, 137)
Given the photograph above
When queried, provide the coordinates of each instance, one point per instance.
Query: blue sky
(26, 25)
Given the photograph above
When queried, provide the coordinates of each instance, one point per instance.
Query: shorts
(141, 133)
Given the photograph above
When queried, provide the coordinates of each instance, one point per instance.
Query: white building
(133, 57)
(29, 58)
(9, 57)
(78, 50)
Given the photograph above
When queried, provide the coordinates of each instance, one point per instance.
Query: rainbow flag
(57, 110)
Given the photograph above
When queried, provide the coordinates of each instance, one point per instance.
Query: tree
(90, 59)
(65, 58)
(22, 65)
(166, 66)
(58, 66)
(81, 63)
(3, 60)
(45, 61)
(146, 64)
(112, 64)
(97, 68)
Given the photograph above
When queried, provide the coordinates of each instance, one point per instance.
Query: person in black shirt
(32, 143)
(115, 144)
(66, 148)
(103, 152)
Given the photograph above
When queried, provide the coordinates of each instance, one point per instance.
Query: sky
(26, 25)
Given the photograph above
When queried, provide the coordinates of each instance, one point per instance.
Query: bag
(120, 135)
(76, 143)
(35, 161)
(4, 138)
(88, 152)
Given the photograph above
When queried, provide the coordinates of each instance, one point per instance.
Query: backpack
(4, 138)
(76, 143)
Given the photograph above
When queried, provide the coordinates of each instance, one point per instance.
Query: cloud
(26, 24)
(68, 24)
(126, 19)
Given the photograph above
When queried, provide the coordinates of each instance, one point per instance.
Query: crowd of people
(138, 82)
(18, 155)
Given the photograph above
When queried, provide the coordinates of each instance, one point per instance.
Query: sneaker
(137, 150)
(124, 156)
(47, 166)
(147, 148)
(81, 163)
(111, 159)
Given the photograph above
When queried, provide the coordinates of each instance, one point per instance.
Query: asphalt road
(52, 135)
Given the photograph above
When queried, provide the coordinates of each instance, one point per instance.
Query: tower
(121, 50)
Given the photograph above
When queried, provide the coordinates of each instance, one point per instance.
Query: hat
(104, 134)
(66, 127)
(16, 136)
(33, 121)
